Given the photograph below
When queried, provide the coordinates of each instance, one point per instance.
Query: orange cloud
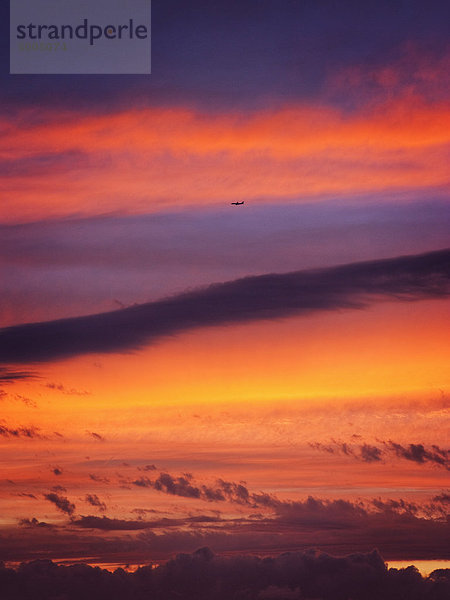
(143, 160)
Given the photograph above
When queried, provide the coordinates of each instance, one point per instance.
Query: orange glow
(301, 363)
(240, 403)
(271, 378)
(141, 160)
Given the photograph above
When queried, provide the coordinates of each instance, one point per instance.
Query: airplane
(238, 203)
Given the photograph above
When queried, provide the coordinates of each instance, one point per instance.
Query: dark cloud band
(200, 575)
(244, 300)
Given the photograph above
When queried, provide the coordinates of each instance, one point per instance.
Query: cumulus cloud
(61, 502)
(442, 498)
(243, 300)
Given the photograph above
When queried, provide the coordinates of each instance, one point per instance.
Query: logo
(79, 37)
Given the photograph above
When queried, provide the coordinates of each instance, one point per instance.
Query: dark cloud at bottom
(243, 300)
(202, 576)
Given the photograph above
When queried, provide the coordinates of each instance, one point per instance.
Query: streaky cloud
(96, 436)
(98, 478)
(20, 432)
(419, 454)
(107, 524)
(94, 500)
(263, 297)
(10, 376)
(369, 453)
(61, 502)
(186, 487)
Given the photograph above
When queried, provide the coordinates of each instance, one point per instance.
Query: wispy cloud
(370, 453)
(419, 454)
(147, 468)
(98, 478)
(301, 150)
(26, 495)
(58, 488)
(17, 398)
(59, 387)
(96, 436)
(20, 432)
(12, 375)
(61, 502)
(94, 500)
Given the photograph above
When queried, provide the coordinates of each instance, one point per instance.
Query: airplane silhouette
(238, 203)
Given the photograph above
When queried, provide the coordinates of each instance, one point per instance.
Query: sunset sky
(179, 372)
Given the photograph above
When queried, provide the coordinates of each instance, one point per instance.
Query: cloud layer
(270, 296)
